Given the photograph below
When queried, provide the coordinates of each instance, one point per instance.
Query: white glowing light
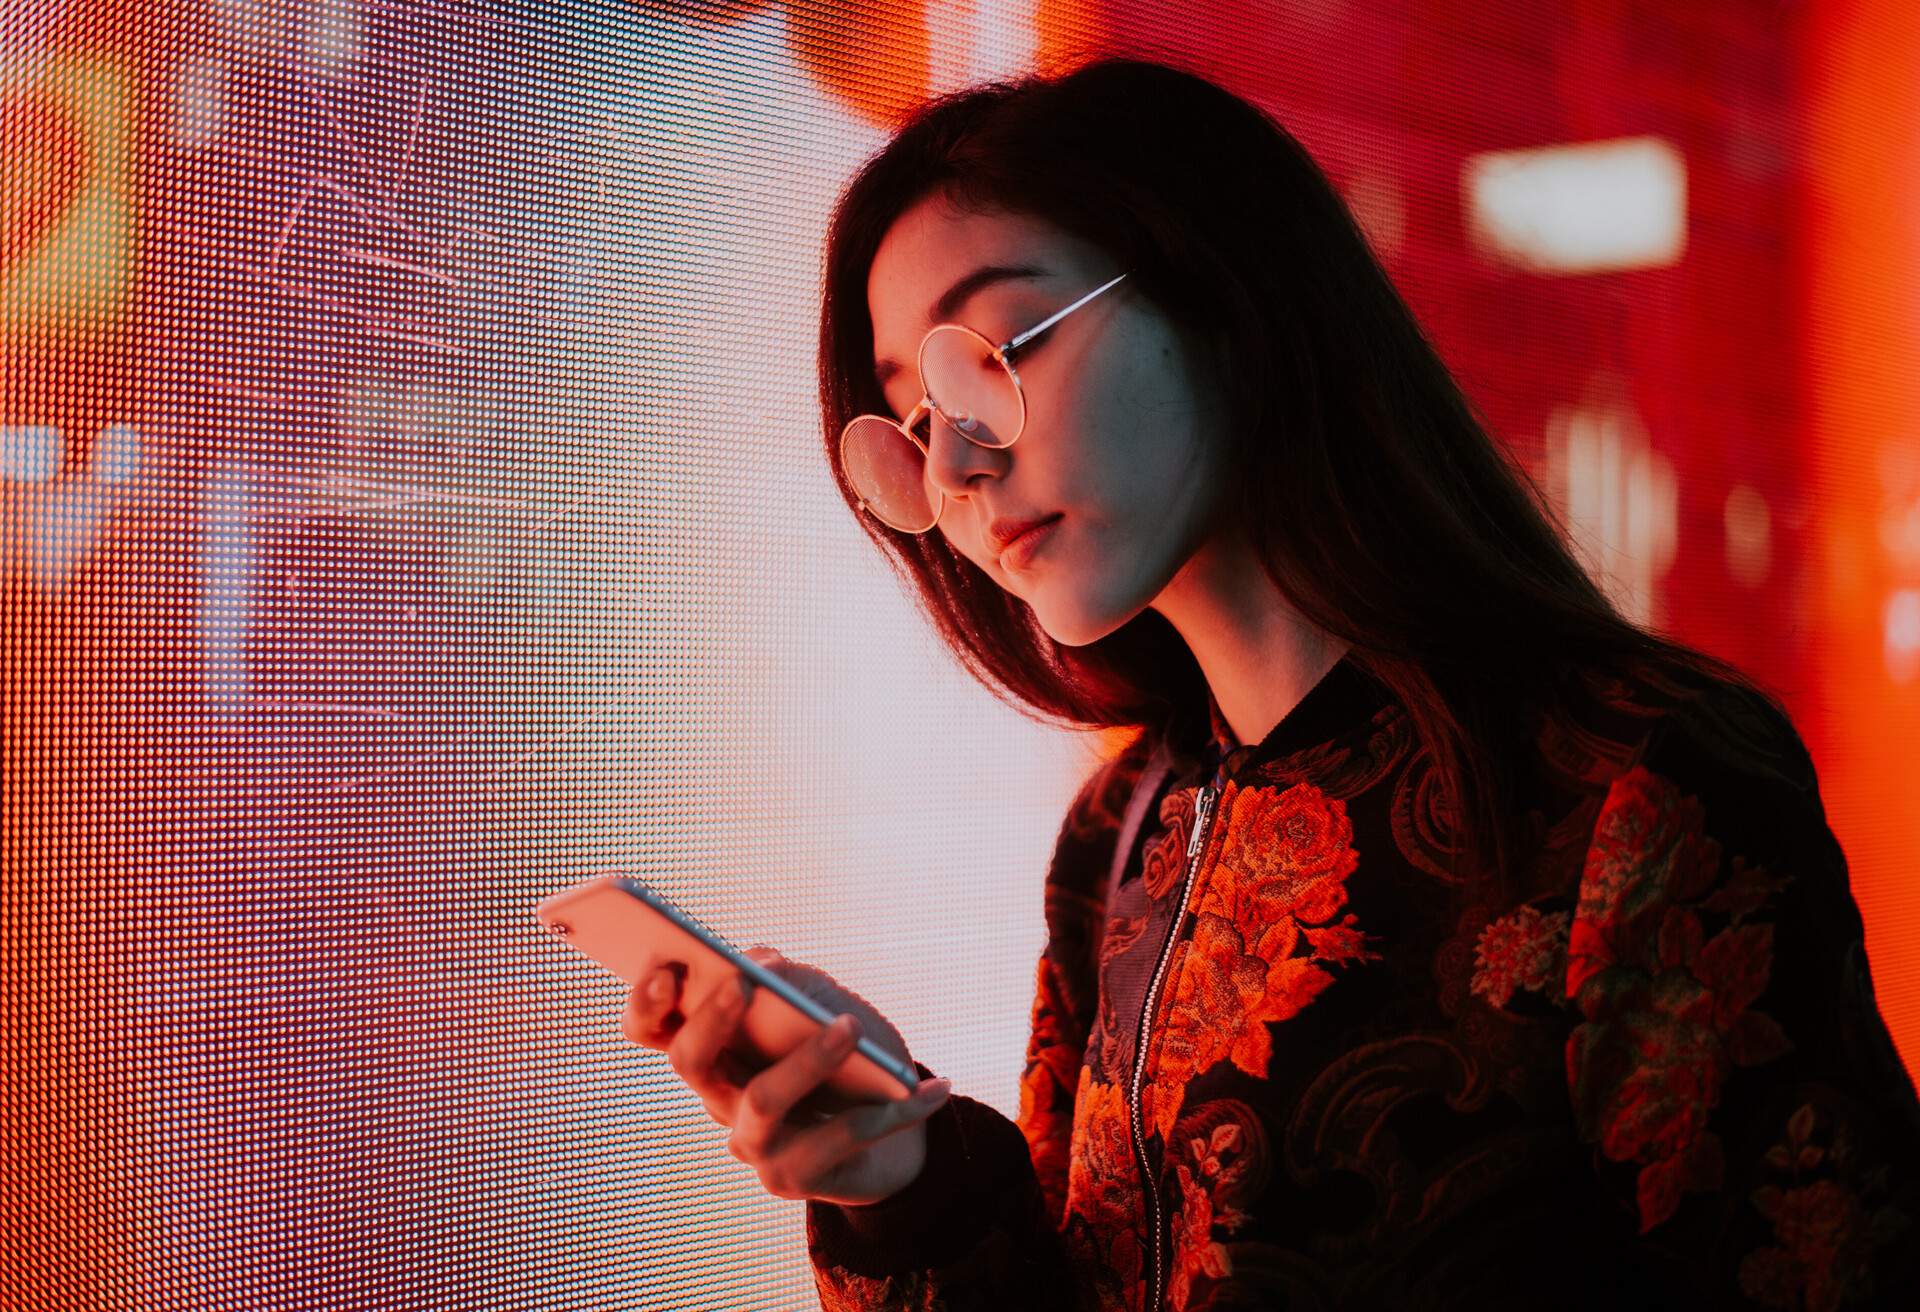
(1900, 532)
(1901, 635)
(1004, 37)
(30, 453)
(335, 38)
(116, 455)
(1621, 500)
(1582, 208)
(64, 533)
(200, 102)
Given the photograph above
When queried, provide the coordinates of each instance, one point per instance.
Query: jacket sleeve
(1752, 1126)
(980, 1227)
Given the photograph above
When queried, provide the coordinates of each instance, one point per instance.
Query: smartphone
(623, 924)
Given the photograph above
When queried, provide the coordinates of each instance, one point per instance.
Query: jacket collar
(1345, 699)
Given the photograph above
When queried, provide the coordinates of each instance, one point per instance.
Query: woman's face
(1120, 440)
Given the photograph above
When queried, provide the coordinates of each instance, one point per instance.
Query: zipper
(1203, 817)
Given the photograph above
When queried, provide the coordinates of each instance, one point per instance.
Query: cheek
(1117, 472)
(1141, 513)
(964, 541)
(1118, 434)
(1081, 467)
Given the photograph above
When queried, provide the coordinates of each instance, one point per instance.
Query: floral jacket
(1279, 1059)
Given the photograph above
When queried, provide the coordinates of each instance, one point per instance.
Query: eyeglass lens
(970, 390)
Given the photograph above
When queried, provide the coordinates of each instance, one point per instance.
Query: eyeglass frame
(924, 406)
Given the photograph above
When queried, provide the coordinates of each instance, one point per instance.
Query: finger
(650, 1005)
(695, 1050)
(768, 1099)
(646, 1003)
(770, 959)
(872, 1121)
(809, 1156)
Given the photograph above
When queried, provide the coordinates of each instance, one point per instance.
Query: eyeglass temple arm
(1058, 315)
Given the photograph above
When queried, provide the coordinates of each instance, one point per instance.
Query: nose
(954, 464)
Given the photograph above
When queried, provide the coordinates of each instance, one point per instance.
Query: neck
(1259, 655)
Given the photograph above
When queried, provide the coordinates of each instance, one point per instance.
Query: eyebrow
(958, 295)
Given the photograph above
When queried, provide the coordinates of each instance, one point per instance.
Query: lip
(1019, 549)
(1003, 529)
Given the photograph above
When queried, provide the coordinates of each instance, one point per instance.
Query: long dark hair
(1384, 511)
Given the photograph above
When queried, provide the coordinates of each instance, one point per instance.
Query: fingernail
(933, 1090)
(658, 988)
(844, 1032)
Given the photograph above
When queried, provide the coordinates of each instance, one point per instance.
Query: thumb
(877, 1120)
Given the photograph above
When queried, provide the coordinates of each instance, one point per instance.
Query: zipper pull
(1202, 812)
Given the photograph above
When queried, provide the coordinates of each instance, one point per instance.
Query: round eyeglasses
(967, 383)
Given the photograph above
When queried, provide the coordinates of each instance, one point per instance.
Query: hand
(803, 1140)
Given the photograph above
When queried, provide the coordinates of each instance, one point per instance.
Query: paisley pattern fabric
(1291, 1061)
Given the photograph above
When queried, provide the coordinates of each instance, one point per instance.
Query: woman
(1444, 938)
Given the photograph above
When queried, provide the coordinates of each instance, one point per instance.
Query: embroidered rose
(1103, 1193)
(1824, 1231)
(1291, 852)
(1220, 998)
(1647, 854)
(1521, 950)
(1194, 1251)
(1102, 1184)
(1283, 861)
(1666, 1009)
(1218, 1161)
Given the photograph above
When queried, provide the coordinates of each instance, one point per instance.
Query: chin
(1079, 625)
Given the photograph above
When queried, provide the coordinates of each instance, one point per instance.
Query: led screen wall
(413, 505)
